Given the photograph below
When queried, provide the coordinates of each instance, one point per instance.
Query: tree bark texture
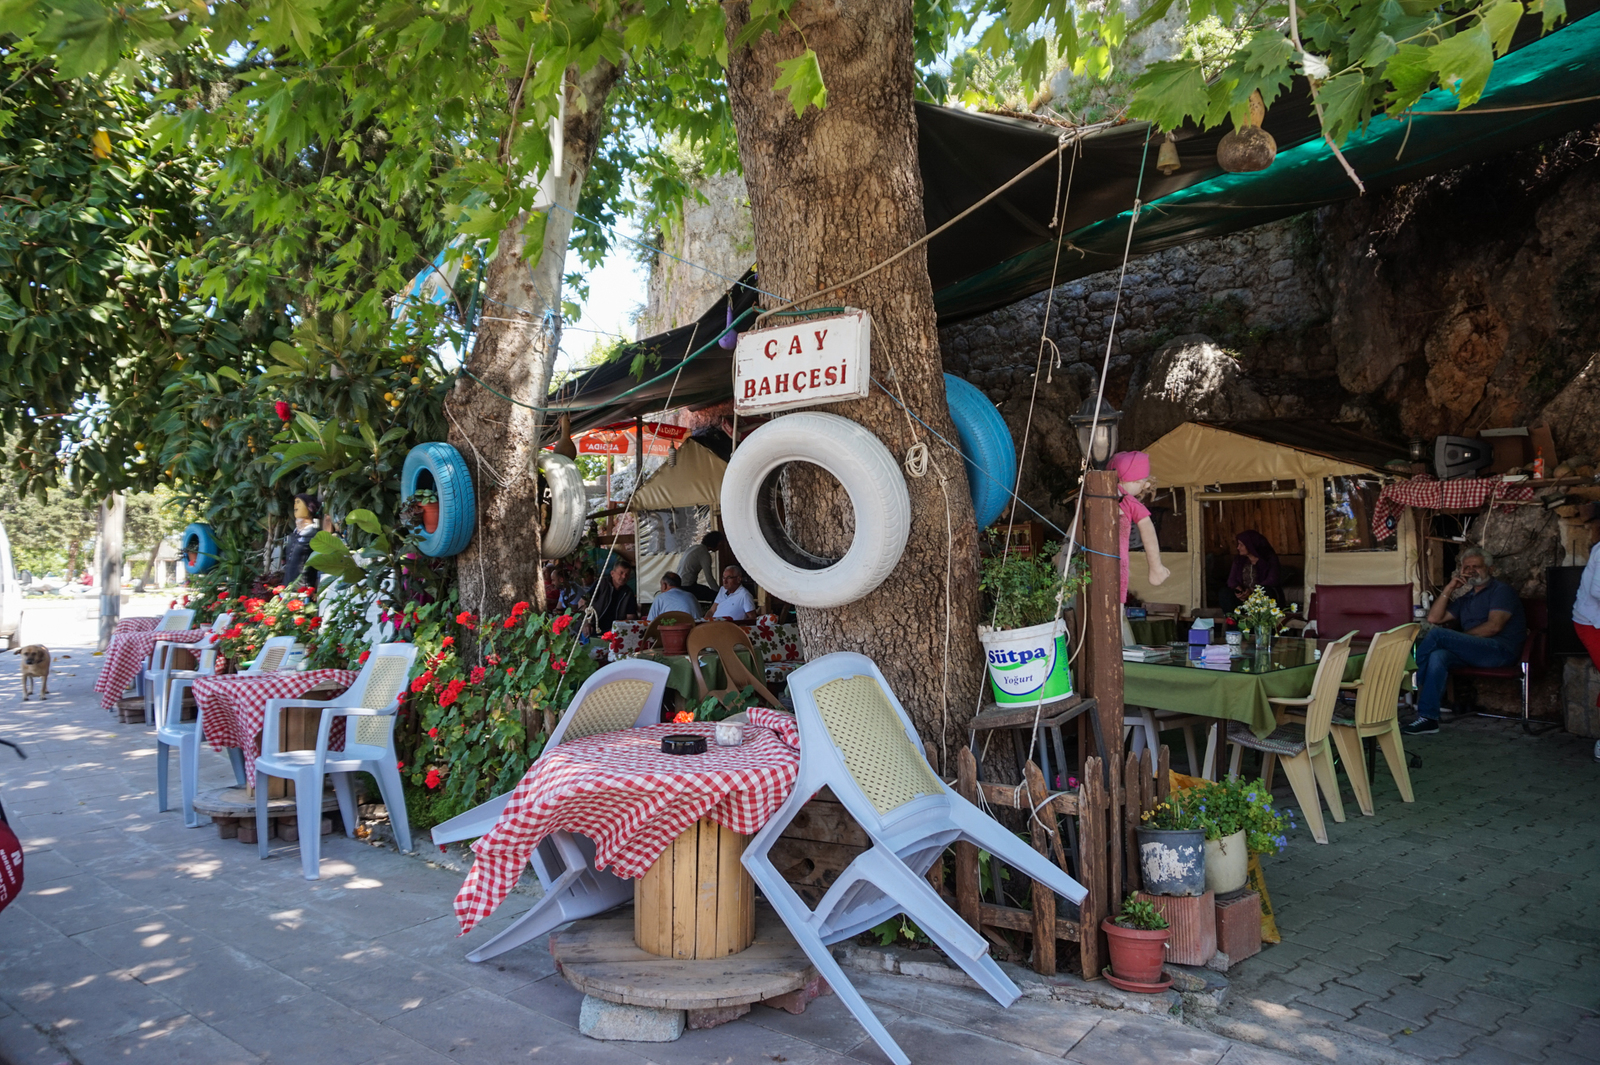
(113, 521)
(832, 193)
(514, 353)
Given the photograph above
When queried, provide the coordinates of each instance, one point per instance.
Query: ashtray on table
(683, 743)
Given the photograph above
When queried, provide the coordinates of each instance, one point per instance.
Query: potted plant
(1138, 938)
(1026, 646)
(1259, 613)
(1172, 854)
(421, 508)
(1239, 820)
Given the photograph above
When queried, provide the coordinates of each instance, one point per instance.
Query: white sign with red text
(826, 360)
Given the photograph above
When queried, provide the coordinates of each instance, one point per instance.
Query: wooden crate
(696, 901)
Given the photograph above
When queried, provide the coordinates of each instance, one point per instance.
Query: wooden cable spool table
(696, 901)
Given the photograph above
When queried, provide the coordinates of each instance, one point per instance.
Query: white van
(10, 593)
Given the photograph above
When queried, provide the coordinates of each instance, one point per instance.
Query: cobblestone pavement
(137, 940)
(1464, 927)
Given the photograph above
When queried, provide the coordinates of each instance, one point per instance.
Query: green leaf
(1554, 11)
(230, 373)
(533, 236)
(802, 78)
(1408, 70)
(1342, 98)
(1463, 63)
(366, 521)
(1501, 19)
(1169, 92)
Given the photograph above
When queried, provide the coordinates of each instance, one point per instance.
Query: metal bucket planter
(1173, 861)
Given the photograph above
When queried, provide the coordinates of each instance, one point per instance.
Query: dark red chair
(1367, 608)
(1528, 665)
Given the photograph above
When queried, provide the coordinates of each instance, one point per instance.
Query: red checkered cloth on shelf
(618, 789)
(1456, 493)
(127, 655)
(135, 625)
(233, 706)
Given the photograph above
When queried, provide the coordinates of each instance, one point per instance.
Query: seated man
(697, 566)
(1492, 628)
(734, 601)
(673, 597)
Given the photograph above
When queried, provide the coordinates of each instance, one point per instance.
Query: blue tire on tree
(986, 448)
(444, 466)
(200, 545)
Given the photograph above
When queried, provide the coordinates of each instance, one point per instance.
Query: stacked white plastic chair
(856, 739)
(187, 736)
(370, 704)
(174, 620)
(159, 671)
(625, 694)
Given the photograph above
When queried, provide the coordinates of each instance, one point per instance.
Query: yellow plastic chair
(1304, 748)
(1376, 714)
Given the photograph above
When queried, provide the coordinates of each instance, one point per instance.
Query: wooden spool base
(696, 901)
(233, 811)
(598, 957)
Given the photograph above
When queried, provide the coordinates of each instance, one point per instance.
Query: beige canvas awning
(696, 481)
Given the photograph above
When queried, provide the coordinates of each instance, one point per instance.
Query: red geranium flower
(477, 674)
(518, 609)
(299, 621)
(560, 624)
(465, 618)
(511, 622)
(451, 691)
(447, 641)
(682, 717)
(294, 604)
(422, 682)
(363, 658)
(510, 670)
(283, 410)
(493, 660)
(432, 779)
(399, 765)
(433, 734)
(559, 665)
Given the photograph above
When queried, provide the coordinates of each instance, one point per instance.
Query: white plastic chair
(174, 620)
(856, 739)
(368, 748)
(187, 736)
(159, 672)
(624, 694)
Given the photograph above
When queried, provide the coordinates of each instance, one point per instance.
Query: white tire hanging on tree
(870, 476)
(569, 506)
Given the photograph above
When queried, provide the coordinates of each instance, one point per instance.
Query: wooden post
(1044, 900)
(967, 901)
(1094, 805)
(1102, 629)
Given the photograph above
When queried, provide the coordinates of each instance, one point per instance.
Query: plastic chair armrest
(1284, 701)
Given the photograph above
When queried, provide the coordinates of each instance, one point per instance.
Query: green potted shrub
(1172, 854)
(1026, 646)
(1239, 819)
(421, 508)
(1138, 938)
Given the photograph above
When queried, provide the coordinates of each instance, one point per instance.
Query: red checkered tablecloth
(233, 706)
(618, 789)
(127, 655)
(135, 625)
(1456, 493)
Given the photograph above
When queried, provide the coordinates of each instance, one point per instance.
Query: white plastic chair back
(221, 624)
(1325, 688)
(175, 621)
(1383, 671)
(378, 687)
(270, 658)
(625, 694)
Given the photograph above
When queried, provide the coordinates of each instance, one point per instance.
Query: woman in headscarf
(1255, 563)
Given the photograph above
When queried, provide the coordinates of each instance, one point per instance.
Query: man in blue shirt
(1492, 627)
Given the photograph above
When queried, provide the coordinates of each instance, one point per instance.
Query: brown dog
(35, 663)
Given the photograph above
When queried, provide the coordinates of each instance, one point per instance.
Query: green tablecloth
(1232, 696)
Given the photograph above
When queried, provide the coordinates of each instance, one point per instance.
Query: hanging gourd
(1248, 147)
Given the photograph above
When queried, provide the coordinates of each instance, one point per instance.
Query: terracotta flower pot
(675, 638)
(1137, 955)
(430, 517)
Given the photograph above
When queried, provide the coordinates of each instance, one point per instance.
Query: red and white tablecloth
(135, 625)
(128, 654)
(1456, 493)
(618, 789)
(233, 706)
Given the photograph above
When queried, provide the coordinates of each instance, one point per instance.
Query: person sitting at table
(696, 568)
(1492, 628)
(1255, 564)
(673, 597)
(734, 601)
(613, 598)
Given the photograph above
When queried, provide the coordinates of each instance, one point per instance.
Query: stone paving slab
(1464, 927)
(137, 940)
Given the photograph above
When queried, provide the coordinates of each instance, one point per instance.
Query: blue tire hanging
(199, 541)
(457, 506)
(986, 448)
